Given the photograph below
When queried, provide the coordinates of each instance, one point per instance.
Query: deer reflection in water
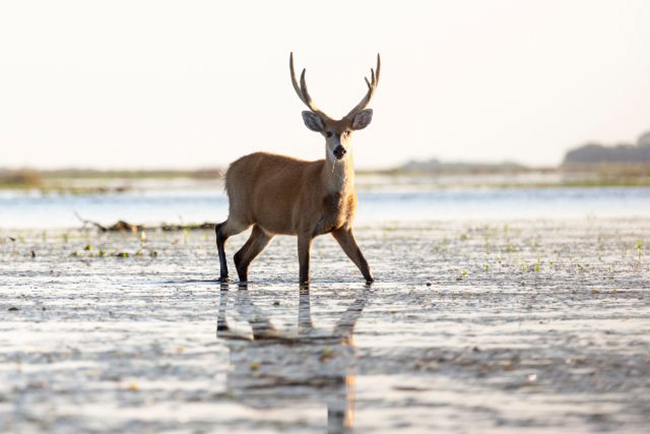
(273, 368)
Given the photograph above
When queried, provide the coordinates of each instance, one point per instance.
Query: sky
(193, 84)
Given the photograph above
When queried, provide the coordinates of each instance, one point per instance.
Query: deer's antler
(301, 90)
(372, 87)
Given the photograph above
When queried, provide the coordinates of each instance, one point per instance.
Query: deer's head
(337, 133)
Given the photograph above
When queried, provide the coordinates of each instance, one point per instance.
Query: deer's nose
(339, 152)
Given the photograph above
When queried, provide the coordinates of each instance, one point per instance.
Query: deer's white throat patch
(338, 172)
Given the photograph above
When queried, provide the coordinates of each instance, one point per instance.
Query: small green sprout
(326, 354)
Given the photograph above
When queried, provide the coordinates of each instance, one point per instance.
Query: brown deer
(283, 195)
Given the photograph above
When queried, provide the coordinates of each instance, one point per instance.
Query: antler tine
(378, 69)
(301, 89)
(372, 87)
(305, 93)
(293, 78)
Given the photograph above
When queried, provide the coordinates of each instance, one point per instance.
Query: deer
(280, 195)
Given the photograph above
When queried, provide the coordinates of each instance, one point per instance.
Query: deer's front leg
(349, 245)
(304, 249)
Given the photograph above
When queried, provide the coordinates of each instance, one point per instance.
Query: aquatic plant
(326, 354)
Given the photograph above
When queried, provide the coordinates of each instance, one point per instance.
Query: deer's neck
(338, 175)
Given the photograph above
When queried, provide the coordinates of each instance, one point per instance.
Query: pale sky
(155, 84)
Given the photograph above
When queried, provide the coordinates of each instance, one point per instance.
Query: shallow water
(512, 326)
(199, 204)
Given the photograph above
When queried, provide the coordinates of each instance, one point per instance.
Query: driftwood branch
(122, 226)
(90, 222)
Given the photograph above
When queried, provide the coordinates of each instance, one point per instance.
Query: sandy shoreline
(542, 326)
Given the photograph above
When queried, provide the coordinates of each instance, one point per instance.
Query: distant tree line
(623, 153)
(19, 178)
(434, 165)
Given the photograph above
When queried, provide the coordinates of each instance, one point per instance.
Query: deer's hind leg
(256, 243)
(223, 231)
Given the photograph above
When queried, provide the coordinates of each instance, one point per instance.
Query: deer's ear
(313, 121)
(362, 119)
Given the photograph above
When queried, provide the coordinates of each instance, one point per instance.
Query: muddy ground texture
(525, 326)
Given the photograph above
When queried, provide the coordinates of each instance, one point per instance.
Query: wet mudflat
(525, 326)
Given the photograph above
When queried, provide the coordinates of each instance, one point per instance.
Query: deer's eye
(329, 134)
